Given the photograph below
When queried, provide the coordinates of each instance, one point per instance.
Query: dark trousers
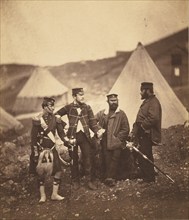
(111, 161)
(86, 151)
(145, 146)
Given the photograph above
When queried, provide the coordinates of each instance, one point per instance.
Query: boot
(110, 182)
(55, 195)
(42, 194)
(75, 185)
(91, 185)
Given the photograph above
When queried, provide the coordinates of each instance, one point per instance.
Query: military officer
(147, 129)
(81, 119)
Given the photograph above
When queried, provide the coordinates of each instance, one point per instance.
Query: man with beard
(115, 123)
(146, 130)
(81, 119)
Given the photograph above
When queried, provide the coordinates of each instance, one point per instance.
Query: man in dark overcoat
(147, 129)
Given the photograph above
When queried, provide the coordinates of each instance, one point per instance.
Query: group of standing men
(110, 127)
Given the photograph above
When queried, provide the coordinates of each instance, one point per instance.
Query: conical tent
(8, 122)
(40, 84)
(140, 68)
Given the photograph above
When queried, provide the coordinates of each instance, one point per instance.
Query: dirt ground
(126, 201)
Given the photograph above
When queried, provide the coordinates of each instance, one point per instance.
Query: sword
(146, 158)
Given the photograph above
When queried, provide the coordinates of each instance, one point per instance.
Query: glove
(100, 133)
(129, 146)
(72, 141)
(68, 142)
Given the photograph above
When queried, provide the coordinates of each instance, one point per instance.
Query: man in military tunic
(44, 159)
(147, 130)
(81, 119)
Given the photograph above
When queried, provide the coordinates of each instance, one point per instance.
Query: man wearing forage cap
(81, 119)
(44, 159)
(115, 124)
(147, 129)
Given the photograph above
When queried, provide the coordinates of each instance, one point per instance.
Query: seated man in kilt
(44, 159)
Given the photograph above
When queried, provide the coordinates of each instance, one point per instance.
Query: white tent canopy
(40, 84)
(140, 68)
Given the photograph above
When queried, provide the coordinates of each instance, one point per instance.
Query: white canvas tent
(140, 68)
(40, 84)
(8, 122)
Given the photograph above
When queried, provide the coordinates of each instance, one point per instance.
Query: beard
(113, 107)
(144, 95)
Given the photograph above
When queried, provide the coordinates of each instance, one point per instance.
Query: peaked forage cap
(141, 68)
(42, 83)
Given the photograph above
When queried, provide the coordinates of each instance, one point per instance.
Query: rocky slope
(127, 200)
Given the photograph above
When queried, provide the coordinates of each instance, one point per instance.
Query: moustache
(113, 106)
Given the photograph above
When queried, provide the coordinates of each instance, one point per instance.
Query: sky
(56, 32)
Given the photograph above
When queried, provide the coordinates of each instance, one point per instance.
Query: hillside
(127, 200)
(97, 77)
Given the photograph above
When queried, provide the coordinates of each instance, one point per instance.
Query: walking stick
(70, 149)
(146, 158)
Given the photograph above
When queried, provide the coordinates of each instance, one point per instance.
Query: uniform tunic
(41, 140)
(82, 114)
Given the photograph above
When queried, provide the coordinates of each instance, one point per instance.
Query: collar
(75, 104)
(148, 99)
(46, 114)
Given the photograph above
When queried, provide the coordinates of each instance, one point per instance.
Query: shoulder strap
(45, 126)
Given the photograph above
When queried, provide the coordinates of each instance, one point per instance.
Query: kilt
(54, 161)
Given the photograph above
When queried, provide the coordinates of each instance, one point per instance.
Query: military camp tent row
(140, 67)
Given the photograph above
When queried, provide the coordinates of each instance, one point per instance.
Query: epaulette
(36, 119)
(60, 121)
